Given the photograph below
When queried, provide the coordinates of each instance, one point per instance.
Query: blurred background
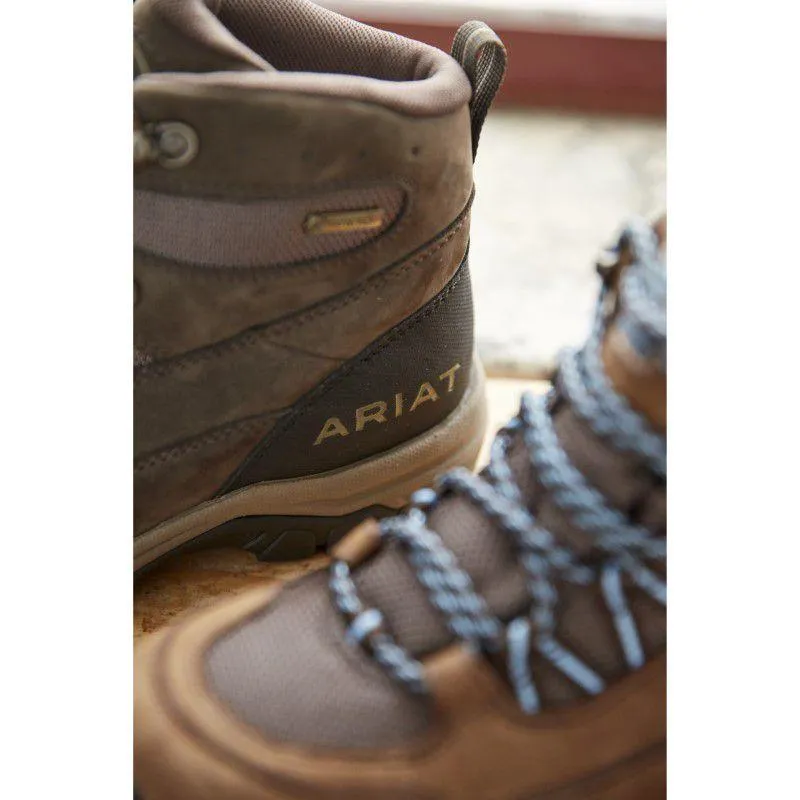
(576, 143)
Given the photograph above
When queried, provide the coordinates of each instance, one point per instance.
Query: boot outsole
(276, 538)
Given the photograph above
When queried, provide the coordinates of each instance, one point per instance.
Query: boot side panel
(401, 385)
(298, 153)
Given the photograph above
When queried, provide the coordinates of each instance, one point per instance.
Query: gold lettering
(426, 392)
(451, 377)
(374, 412)
(332, 427)
(362, 219)
(378, 411)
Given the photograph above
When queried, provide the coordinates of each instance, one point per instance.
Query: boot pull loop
(482, 55)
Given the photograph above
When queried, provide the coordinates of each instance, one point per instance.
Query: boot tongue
(388, 583)
(186, 36)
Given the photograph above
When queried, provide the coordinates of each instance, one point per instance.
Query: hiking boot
(503, 639)
(303, 316)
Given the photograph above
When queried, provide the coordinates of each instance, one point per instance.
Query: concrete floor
(552, 189)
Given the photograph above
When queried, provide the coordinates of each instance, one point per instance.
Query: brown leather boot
(505, 639)
(303, 318)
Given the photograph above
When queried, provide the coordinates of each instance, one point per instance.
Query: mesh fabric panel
(299, 36)
(289, 673)
(217, 233)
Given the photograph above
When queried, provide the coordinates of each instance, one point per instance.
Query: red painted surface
(570, 71)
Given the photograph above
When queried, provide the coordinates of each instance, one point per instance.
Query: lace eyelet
(177, 144)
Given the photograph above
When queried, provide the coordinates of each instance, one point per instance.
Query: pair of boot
(305, 362)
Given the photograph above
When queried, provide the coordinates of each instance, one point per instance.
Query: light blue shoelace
(625, 546)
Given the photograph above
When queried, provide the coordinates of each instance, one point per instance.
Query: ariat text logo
(381, 411)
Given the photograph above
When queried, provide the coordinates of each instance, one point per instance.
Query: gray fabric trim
(440, 94)
(220, 233)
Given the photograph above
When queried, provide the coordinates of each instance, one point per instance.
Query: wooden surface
(194, 580)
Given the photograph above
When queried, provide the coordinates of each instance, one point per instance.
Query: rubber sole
(272, 519)
(275, 538)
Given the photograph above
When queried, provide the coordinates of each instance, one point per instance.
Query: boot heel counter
(401, 385)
